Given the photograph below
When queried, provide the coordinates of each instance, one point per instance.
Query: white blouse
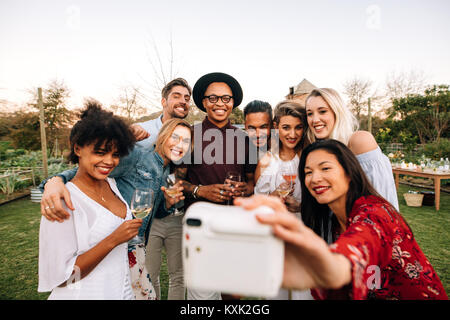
(378, 170)
(268, 183)
(61, 243)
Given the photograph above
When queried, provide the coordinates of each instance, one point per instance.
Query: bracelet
(194, 193)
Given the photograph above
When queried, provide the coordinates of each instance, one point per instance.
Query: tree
(57, 116)
(163, 70)
(24, 130)
(358, 91)
(129, 103)
(402, 84)
(4, 124)
(237, 116)
(428, 113)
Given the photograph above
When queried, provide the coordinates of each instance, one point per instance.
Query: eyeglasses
(213, 98)
(177, 139)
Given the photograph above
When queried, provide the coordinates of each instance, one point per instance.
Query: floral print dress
(387, 262)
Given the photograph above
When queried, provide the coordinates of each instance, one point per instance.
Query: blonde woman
(329, 118)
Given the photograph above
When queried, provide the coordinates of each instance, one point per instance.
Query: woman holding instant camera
(374, 253)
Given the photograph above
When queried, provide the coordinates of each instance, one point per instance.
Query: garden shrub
(437, 150)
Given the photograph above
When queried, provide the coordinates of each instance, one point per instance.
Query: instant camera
(225, 249)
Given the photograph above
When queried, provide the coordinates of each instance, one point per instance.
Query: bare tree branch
(358, 91)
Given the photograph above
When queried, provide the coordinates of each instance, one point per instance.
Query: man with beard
(176, 96)
(166, 229)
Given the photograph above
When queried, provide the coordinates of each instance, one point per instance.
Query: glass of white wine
(141, 206)
(172, 191)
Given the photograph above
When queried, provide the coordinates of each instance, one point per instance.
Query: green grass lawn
(19, 241)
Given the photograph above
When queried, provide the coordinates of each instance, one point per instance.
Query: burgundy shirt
(216, 152)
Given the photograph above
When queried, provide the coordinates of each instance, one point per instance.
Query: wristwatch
(194, 193)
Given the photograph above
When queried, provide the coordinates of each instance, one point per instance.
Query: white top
(61, 243)
(153, 127)
(378, 170)
(268, 181)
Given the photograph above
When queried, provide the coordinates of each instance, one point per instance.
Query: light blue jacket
(142, 168)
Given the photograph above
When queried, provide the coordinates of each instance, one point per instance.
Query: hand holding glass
(141, 206)
(231, 179)
(284, 183)
(172, 191)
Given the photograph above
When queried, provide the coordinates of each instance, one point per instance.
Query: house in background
(300, 92)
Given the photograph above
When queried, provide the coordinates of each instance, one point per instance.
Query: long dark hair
(316, 215)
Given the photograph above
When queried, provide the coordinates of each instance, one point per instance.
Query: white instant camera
(225, 249)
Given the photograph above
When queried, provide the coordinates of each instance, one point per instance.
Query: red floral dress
(387, 262)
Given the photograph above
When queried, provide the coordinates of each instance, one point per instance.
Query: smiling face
(321, 118)
(219, 112)
(97, 163)
(326, 179)
(290, 131)
(178, 143)
(176, 105)
(257, 125)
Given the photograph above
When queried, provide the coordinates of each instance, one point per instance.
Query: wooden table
(436, 176)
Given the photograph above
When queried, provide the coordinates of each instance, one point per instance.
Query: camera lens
(193, 222)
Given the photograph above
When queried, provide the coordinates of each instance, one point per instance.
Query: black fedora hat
(202, 84)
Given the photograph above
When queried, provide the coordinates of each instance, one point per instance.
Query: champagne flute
(172, 191)
(231, 178)
(141, 206)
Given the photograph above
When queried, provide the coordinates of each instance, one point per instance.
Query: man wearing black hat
(219, 148)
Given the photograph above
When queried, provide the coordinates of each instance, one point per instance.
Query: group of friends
(339, 220)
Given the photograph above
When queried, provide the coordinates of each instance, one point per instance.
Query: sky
(96, 47)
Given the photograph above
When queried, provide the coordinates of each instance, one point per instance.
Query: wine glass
(231, 178)
(141, 206)
(284, 183)
(171, 191)
(289, 173)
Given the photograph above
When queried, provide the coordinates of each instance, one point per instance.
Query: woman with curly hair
(142, 168)
(78, 257)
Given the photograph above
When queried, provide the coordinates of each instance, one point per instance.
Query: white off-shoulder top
(378, 170)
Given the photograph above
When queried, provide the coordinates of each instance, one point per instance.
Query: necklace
(94, 193)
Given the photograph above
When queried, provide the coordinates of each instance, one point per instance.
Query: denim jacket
(142, 168)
